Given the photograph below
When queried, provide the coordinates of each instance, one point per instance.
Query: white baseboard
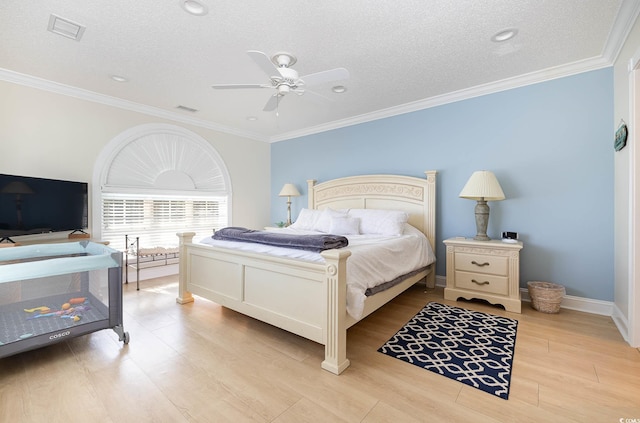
(587, 305)
(622, 323)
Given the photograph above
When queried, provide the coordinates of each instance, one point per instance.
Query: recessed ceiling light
(194, 7)
(504, 35)
(252, 118)
(119, 78)
(339, 89)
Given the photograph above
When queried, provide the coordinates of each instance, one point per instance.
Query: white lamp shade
(289, 190)
(482, 184)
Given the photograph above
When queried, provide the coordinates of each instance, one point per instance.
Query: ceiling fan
(284, 79)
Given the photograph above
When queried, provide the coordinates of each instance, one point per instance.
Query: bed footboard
(308, 299)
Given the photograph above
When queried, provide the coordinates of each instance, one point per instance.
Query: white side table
(487, 270)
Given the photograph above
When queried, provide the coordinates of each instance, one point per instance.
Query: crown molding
(622, 26)
(67, 90)
(477, 91)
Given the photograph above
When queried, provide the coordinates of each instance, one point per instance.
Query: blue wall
(549, 144)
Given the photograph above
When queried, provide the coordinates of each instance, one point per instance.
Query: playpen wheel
(125, 338)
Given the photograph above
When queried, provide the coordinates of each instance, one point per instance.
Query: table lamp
(482, 186)
(289, 190)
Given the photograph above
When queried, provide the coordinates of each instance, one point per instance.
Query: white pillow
(307, 219)
(345, 225)
(323, 224)
(380, 222)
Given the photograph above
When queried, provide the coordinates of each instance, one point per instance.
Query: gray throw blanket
(315, 243)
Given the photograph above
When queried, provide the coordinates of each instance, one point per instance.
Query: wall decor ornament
(621, 136)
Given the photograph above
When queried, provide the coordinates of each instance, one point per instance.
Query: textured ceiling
(401, 55)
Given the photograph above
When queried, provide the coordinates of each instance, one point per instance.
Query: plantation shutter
(157, 219)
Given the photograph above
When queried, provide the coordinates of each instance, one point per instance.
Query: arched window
(154, 180)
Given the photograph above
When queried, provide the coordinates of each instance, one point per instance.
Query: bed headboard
(417, 196)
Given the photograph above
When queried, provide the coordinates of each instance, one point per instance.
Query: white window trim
(121, 141)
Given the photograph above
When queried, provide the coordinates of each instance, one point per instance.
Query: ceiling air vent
(186, 109)
(65, 27)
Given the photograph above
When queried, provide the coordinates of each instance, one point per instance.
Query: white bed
(305, 297)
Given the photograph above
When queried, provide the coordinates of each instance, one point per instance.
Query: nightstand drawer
(477, 263)
(483, 283)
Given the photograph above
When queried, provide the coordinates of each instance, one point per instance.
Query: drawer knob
(486, 263)
(480, 283)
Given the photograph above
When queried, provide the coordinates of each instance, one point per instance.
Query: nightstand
(487, 270)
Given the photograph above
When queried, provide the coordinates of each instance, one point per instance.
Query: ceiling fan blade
(272, 103)
(316, 96)
(231, 86)
(264, 62)
(317, 78)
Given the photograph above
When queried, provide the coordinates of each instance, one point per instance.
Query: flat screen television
(37, 205)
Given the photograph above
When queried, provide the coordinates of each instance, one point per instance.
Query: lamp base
(482, 221)
(288, 222)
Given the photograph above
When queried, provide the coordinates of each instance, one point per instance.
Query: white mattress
(374, 259)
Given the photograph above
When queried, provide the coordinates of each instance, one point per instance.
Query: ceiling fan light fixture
(283, 89)
(504, 35)
(194, 7)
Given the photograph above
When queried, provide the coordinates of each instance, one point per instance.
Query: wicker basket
(546, 296)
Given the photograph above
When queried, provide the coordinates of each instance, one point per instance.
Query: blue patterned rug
(471, 347)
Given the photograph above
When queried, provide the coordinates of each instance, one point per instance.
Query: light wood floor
(202, 363)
